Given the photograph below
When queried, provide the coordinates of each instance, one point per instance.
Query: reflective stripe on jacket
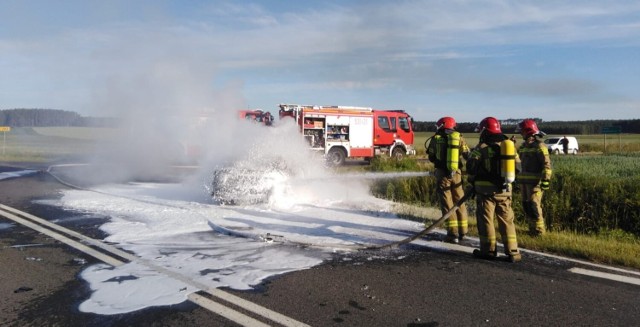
(535, 162)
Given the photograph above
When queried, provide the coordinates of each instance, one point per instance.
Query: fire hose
(469, 192)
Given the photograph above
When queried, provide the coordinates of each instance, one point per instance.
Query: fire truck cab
(393, 133)
(341, 132)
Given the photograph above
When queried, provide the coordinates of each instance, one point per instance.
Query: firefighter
(493, 191)
(267, 118)
(535, 175)
(565, 145)
(445, 150)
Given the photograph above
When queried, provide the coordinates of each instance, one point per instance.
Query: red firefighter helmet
(446, 123)
(490, 124)
(528, 127)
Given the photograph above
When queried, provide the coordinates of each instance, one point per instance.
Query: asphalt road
(411, 286)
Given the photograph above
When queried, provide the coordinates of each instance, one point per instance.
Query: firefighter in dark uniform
(535, 174)
(446, 148)
(493, 192)
(565, 145)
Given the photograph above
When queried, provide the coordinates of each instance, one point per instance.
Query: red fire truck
(352, 132)
(257, 115)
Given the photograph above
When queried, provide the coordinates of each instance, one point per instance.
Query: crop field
(594, 192)
(590, 193)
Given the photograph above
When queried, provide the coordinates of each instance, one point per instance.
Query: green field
(78, 133)
(45, 144)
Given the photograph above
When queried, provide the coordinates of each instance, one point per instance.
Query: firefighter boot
(514, 256)
(451, 238)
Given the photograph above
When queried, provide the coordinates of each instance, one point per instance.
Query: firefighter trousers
(488, 207)
(450, 191)
(532, 206)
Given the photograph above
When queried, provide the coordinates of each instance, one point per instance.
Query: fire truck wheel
(398, 153)
(336, 157)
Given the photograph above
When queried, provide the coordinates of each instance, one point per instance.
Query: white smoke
(173, 116)
(173, 113)
(278, 168)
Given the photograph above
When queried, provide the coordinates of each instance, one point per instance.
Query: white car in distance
(554, 144)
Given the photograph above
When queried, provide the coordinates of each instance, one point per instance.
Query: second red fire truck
(257, 115)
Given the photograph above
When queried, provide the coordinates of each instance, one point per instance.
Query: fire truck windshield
(404, 124)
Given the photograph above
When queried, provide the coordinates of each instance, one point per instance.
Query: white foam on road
(168, 224)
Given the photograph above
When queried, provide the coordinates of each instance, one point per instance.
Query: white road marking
(225, 311)
(467, 249)
(600, 274)
(98, 255)
(231, 314)
(585, 263)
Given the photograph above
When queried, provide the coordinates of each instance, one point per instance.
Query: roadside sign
(5, 128)
(612, 130)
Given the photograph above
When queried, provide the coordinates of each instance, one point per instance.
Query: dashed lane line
(32, 222)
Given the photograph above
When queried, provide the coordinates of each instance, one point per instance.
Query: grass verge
(619, 249)
(603, 249)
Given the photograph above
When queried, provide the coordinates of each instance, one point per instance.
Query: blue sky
(552, 60)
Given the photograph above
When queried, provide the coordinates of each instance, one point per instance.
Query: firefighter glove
(544, 185)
